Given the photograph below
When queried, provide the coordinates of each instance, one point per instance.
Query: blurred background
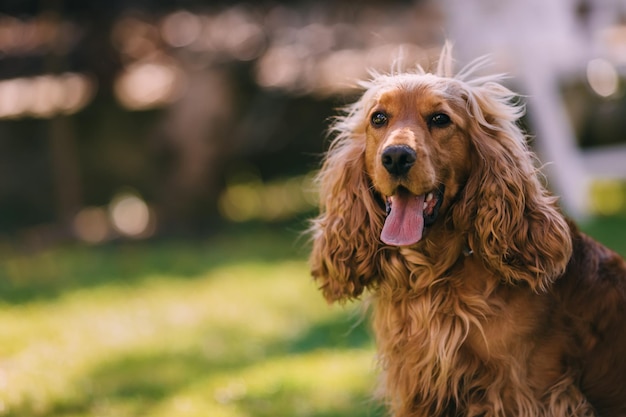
(135, 119)
(156, 164)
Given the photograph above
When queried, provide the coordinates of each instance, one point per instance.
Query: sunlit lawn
(230, 326)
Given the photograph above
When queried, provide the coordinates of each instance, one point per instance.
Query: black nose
(398, 159)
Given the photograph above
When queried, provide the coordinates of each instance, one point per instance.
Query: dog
(486, 300)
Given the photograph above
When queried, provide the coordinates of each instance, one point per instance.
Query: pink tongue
(405, 223)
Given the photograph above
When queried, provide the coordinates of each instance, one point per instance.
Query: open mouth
(408, 214)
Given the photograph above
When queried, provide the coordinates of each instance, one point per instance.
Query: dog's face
(417, 155)
(444, 153)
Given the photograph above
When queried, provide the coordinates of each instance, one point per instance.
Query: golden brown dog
(486, 300)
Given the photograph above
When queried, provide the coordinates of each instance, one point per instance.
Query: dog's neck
(420, 266)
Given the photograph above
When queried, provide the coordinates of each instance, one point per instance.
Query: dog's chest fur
(445, 342)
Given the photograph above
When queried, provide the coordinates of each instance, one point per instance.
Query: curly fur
(491, 312)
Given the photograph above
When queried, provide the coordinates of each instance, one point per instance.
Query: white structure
(541, 43)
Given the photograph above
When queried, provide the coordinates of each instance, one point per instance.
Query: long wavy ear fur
(343, 259)
(515, 225)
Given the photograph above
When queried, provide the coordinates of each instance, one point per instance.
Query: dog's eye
(440, 120)
(379, 119)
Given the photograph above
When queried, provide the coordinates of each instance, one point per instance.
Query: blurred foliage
(208, 112)
(172, 99)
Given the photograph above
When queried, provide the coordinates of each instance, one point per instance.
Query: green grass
(232, 326)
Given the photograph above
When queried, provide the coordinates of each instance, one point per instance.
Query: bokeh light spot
(131, 216)
(602, 77)
(91, 225)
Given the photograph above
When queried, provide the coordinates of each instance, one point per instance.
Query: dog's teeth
(429, 197)
(425, 204)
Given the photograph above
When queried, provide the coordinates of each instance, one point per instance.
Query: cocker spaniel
(486, 300)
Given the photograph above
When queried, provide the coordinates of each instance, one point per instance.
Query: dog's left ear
(516, 226)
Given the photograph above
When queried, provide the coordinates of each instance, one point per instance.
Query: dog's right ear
(345, 243)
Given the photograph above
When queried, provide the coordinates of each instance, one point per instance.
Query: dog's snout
(398, 159)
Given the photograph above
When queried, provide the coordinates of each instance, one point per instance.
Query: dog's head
(421, 154)
(417, 152)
